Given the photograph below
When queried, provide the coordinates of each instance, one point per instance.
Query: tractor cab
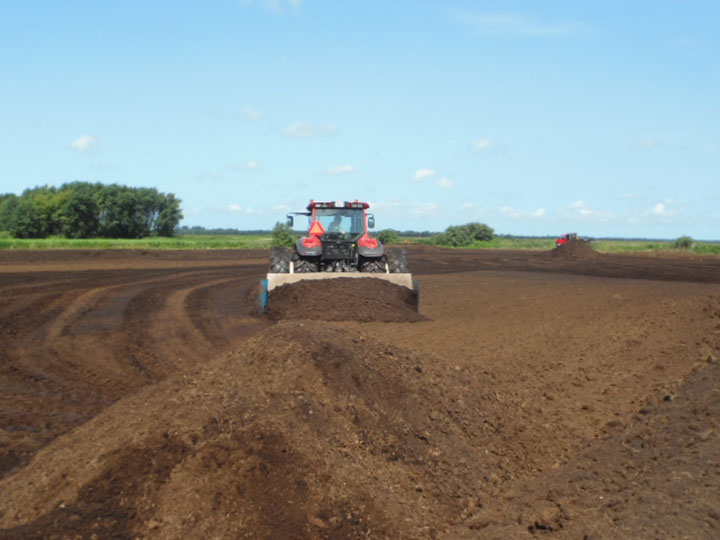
(336, 222)
(337, 239)
(345, 222)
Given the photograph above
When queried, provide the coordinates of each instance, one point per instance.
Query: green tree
(455, 236)
(684, 242)
(28, 222)
(86, 210)
(79, 211)
(388, 236)
(123, 212)
(464, 235)
(283, 236)
(169, 214)
(8, 211)
(46, 201)
(480, 231)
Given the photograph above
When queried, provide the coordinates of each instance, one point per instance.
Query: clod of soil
(350, 299)
(575, 249)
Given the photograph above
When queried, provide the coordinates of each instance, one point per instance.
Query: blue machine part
(263, 296)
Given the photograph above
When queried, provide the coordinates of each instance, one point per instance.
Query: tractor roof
(338, 204)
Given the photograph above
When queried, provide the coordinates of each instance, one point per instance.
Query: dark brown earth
(546, 394)
(338, 299)
(575, 248)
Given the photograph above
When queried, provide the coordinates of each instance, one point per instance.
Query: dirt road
(570, 395)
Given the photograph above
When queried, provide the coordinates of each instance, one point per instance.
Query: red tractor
(337, 246)
(337, 241)
(564, 238)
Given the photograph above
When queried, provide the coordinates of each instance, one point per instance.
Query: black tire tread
(280, 258)
(304, 265)
(374, 265)
(397, 261)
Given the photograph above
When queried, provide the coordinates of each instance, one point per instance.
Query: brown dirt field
(570, 395)
(338, 299)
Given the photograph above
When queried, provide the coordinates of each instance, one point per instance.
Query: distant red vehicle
(565, 237)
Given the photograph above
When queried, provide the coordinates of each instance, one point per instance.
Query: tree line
(455, 235)
(87, 210)
(186, 230)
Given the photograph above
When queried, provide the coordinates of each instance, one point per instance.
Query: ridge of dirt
(575, 249)
(344, 299)
(273, 441)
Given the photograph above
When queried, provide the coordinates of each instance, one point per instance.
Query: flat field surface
(563, 394)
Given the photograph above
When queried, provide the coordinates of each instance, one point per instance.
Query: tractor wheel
(303, 265)
(375, 265)
(397, 261)
(280, 258)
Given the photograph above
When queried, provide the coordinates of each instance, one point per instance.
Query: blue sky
(535, 117)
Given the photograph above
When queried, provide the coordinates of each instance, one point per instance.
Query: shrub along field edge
(192, 241)
(603, 246)
(263, 241)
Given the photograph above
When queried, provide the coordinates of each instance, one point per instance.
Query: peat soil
(338, 299)
(560, 394)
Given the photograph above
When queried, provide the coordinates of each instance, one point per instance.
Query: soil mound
(351, 299)
(305, 433)
(575, 249)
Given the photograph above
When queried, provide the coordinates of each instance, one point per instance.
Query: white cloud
(252, 164)
(209, 176)
(515, 213)
(238, 208)
(650, 143)
(423, 173)
(482, 145)
(341, 169)
(280, 207)
(274, 6)
(660, 209)
(305, 131)
(516, 25)
(388, 208)
(84, 143)
(581, 210)
(251, 113)
(425, 209)
(445, 183)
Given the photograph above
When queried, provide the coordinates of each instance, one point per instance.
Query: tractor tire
(397, 261)
(374, 265)
(303, 265)
(280, 258)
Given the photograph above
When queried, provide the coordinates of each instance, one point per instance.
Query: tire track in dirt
(74, 345)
